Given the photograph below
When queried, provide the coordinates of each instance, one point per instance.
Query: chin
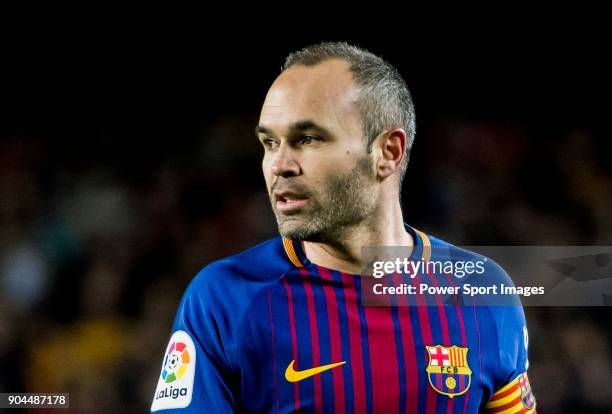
(296, 230)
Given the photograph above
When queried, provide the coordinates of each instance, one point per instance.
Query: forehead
(324, 93)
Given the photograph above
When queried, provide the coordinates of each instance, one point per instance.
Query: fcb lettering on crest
(448, 370)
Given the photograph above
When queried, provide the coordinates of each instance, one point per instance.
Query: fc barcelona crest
(448, 370)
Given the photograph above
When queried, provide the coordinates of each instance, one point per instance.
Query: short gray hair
(385, 100)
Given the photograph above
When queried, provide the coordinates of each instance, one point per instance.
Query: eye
(269, 143)
(307, 139)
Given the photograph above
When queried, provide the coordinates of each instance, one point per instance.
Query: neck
(344, 251)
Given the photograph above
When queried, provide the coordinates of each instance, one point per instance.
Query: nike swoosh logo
(292, 375)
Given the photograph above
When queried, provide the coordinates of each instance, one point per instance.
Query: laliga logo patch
(175, 385)
(176, 362)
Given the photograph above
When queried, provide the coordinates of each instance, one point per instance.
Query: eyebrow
(297, 126)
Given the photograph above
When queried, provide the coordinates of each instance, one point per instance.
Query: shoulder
(492, 273)
(226, 286)
(216, 301)
(241, 274)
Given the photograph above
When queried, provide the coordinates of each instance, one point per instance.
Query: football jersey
(267, 331)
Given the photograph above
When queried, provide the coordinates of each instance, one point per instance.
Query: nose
(284, 163)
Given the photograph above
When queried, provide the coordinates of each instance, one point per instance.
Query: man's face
(319, 175)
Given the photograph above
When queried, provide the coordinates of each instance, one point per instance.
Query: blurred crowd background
(122, 173)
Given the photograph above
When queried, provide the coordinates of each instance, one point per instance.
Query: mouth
(288, 203)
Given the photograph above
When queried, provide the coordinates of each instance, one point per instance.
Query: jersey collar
(422, 248)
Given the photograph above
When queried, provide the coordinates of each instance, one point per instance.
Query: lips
(288, 202)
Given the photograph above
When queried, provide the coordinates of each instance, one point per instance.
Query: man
(284, 327)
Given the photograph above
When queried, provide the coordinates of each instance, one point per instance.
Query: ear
(392, 146)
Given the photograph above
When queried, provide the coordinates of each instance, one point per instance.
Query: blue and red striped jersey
(268, 331)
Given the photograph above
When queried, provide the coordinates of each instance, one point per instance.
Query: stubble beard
(345, 202)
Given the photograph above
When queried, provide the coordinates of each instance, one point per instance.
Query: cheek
(319, 177)
(331, 164)
(265, 169)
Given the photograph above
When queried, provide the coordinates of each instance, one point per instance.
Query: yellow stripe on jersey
(288, 245)
(514, 397)
(426, 245)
